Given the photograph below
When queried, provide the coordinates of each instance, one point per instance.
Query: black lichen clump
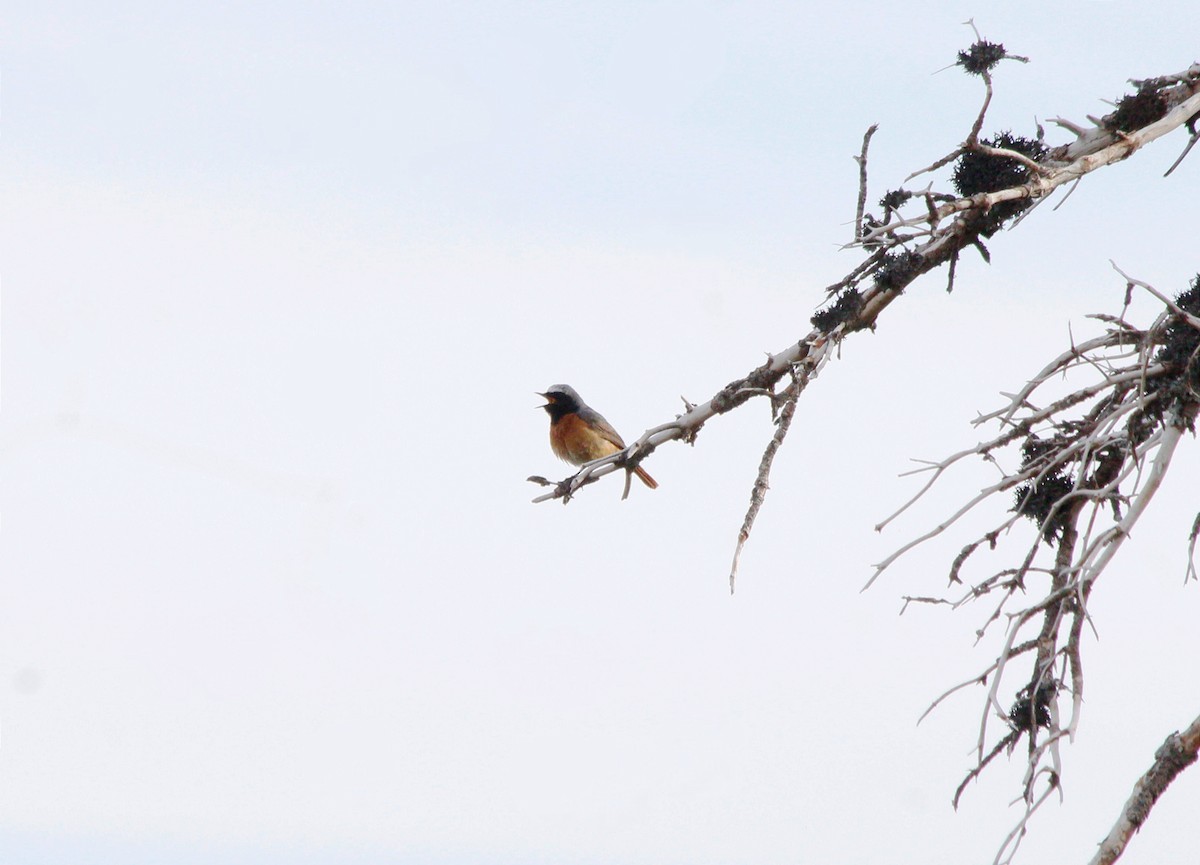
(1181, 341)
(1035, 448)
(981, 57)
(1137, 110)
(977, 172)
(845, 309)
(1028, 714)
(895, 199)
(1180, 352)
(1143, 424)
(898, 269)
(1037, 500)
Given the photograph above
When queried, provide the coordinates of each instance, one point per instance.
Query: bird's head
(561, 399)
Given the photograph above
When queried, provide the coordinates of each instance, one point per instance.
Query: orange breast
(574, 441)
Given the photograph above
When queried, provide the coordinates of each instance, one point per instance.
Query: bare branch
(943, 238)
(1190, 574)
(1166, 301)
(782, 424)
(1192, 138)
(1174, 755)
(1091, 463)
(1008, 849)
(861, 159)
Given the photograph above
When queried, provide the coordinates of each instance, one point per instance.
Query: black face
(560, 403)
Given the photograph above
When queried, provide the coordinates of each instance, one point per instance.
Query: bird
(579, 434)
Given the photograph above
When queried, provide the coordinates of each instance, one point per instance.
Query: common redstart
(578, 434)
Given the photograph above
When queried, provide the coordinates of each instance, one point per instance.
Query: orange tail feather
(645, 478)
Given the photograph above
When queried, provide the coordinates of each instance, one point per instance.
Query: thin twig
(861, 159)
(759, 491)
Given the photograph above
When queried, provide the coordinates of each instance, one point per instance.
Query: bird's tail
(645, 478)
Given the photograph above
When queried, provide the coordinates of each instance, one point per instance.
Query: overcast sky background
(280, 281)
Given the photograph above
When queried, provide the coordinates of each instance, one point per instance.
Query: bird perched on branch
(579, 434)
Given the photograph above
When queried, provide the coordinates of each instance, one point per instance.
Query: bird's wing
(603, 427)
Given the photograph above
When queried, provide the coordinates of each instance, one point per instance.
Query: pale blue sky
(279, 285)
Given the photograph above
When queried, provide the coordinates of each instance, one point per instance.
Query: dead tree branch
(1179, 751)
(902, 249)
(1090, 463)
